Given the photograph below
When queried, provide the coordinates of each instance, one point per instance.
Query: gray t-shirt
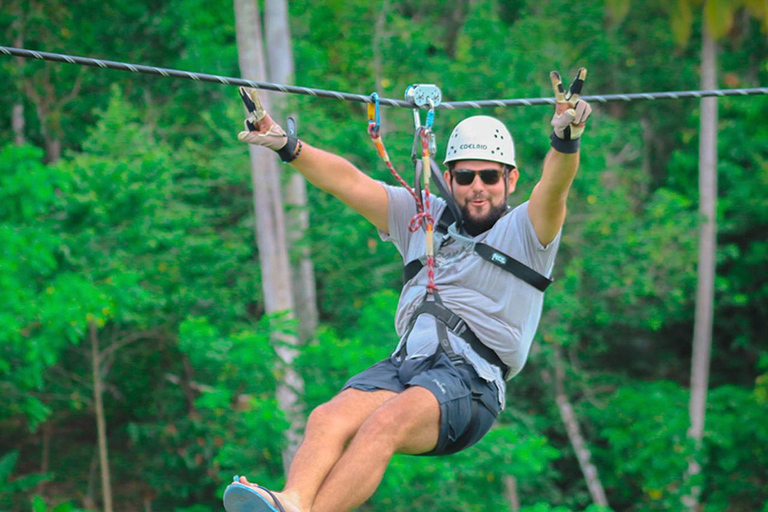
(502, 310)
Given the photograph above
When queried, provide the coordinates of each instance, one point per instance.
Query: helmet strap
(506, 182)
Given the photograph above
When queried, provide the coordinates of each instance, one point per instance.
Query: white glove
(570, 113)
(262, 130)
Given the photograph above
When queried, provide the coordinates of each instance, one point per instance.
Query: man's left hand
(571, 113)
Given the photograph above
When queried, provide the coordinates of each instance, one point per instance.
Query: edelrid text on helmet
(481, 138)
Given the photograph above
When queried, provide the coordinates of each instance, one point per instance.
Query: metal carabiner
(431, 134)
(374, 117)
(430, 113)
(416, 119)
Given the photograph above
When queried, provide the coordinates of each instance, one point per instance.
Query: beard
(476, 225)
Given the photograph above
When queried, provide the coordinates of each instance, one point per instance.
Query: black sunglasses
(466, 177)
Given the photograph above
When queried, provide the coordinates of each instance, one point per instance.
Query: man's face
(483, 200)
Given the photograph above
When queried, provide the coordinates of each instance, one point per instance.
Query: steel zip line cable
(199, 77)
(359, 98)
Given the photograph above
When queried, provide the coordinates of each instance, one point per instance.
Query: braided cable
(359, 98)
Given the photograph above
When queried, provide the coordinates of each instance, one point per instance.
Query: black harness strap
(513, 266)
(445, 192)
(448, 320)
(488, 253)
(411, 269)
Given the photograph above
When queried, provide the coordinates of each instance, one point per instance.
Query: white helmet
(481, 138)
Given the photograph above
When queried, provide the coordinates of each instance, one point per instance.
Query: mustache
(478, 196)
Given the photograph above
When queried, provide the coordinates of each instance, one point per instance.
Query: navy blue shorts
(452, 384)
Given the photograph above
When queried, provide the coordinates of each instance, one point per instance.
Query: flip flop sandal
(242, 498)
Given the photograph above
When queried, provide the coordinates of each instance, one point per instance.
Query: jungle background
(141, 364)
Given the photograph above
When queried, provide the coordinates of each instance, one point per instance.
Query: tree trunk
(571, 423)
(454, 24)
(281, 70)
(303, 275)
(17, 114)
(45, 456)
(44, 94)
(702, 329)
(89, 501)
(379, 34)
(510, 492)
(270, 231)
(101, 424)
(574, 435)
(17, 121)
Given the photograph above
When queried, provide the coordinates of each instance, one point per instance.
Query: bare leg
(408, 423)
(329, 429)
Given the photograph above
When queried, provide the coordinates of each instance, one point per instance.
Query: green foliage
(36, 323)
(645, 434)
(737, 449)
(329, 360)
(39, 505)
(145, 228)
(8, 486)
(435, 485)
(644, 447)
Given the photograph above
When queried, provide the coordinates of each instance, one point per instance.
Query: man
(444, 385)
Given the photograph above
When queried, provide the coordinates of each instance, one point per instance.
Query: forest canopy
(131, 280)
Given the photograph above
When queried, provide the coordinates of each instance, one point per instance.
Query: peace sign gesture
(570, 113)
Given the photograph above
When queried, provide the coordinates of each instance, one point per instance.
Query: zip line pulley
(424, 96)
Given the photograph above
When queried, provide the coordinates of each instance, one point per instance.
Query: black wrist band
(564, 146)
(288, 153)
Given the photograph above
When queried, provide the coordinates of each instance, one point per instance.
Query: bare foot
(289, 502)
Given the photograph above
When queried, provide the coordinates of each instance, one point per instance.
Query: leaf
(759, 10)
(64, 507)
(617, 9)
(29, 481)
(681, 19)
(7, 463)
(718, 17)
(38, 504)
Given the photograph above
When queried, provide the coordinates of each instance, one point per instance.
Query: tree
(101, 424)
(17, 119)
(705, 289)
(281, 70)
(42, 86)
(162, 208)
(718, 18)
(270, 234)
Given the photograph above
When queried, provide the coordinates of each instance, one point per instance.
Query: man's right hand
(327, 171)
(260, 129)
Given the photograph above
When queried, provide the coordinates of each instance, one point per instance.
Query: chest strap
(485, 251)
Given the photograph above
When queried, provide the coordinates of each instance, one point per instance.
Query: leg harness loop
(447, 320)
